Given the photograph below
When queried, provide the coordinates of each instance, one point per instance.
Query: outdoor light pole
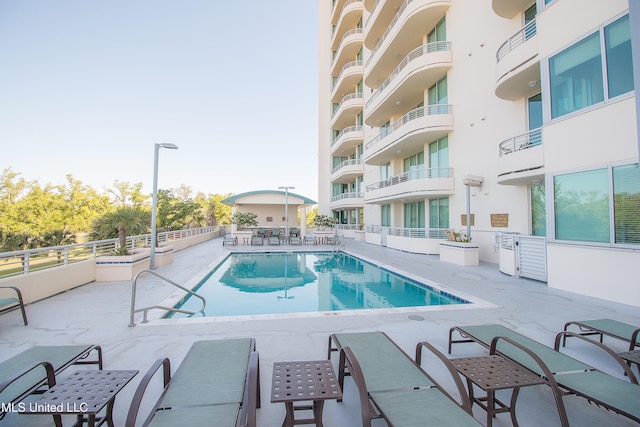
(154, 201)
(286, 207)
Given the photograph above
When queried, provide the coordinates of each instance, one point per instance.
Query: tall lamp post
(286, 207)
(154, 200)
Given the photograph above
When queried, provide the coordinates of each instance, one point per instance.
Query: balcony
(518, 67)
(509, 8)
(348, 78)
(350, 44)
(404, 33)
(415, 185)
(521, 159)
(347, 171)
(347, 140)
(410, 133)
(347, 110)
(349, 17)
(420, 69)
(379, 18)
(343, 7)
(353, 199)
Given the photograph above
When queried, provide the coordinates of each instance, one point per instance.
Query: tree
(176, 214)
(120, 222)
(127, 194)
(244, 219)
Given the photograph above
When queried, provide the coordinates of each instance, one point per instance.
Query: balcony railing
(516, 40)
(349, 195)
(342, 70)
(347, 163)
(389, 28)
(373, 9)
(356, 95)
(345, 131)
(414, 114)
(521, 142)
(30, 260)
(411, 175)
(414, 233)
(347, 34)
(414, 54)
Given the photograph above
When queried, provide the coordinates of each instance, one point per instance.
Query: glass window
(538, 211)
(626, 204)
(619, 58)
(535, 111)
(582, 206)
(439, 158)
(439, 33)
(439, 213)
(385, 215)
(438, 93)
(385, 171)
(414, 215)
(576, 77)
(415, 165)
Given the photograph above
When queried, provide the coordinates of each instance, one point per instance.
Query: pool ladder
(146, 309)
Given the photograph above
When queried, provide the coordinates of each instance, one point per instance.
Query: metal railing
(357, 63)
(411, 56)
(344, 36)
(424, 173)
(347, 3)
(349, 195)
(414, 233)
(416, 113)
(345, 131)
(517, 39)
(347, 163)
(389, 28)
(355, 95)
(30, 260)
(373, 10)
(145, 310)
(521, 142)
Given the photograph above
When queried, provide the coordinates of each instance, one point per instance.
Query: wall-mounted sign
(463, 219)
(500, 220)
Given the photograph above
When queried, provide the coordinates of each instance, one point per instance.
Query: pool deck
(98, 313)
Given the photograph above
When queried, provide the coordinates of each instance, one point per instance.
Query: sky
(87, 87)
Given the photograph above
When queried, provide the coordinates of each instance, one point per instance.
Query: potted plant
(458, 249)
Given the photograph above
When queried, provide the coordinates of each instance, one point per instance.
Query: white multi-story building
(517, 114)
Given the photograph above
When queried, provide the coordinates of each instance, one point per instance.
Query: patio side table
(304, 381)
(84, 393)
(492, 373)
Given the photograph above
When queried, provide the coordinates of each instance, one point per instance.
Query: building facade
(519, 115)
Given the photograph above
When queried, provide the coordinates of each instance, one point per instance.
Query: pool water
(272, 283)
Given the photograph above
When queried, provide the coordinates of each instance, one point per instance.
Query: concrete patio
(98, 313)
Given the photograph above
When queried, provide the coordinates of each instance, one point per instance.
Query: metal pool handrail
(146, 309)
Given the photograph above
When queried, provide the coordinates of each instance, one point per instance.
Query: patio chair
(309, 240)
(273, 240)
(11, 302)
(262, 232)
(21, 376)
(564, 374)
(333, 240)
(294, 232)
(275, 231)
(257, 240)
(217, 383)
(295, 240)
(394, 387)
(229, 240)
(612, 328)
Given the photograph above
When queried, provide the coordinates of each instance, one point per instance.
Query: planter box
(460, 253)
(359, 235)
(121, 267)
(164, 255)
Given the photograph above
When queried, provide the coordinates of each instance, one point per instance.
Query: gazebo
(272, 208)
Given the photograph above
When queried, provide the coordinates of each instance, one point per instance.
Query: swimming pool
(298, 282)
